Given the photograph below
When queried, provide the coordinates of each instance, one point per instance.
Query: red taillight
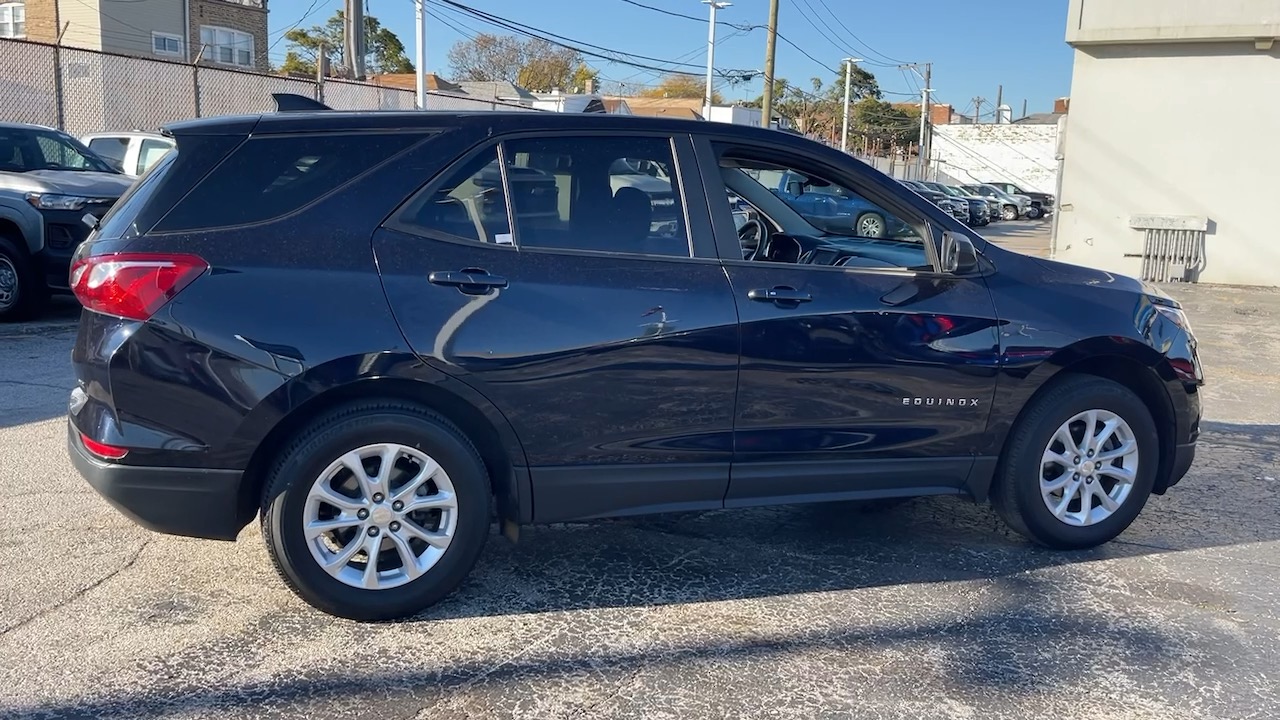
(103, 450)
(133, 285)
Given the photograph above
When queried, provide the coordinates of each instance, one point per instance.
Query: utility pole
(322, 69)
(1024, 108)
(770, 43)
(922, 155)
(848, 81)
(711, 52)
(354, 46)
(999, 100)
(420, 50)
(977, 109)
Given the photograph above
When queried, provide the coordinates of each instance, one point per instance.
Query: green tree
(385, 52)
(531, 63)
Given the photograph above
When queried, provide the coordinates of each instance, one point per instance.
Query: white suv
(131, 152)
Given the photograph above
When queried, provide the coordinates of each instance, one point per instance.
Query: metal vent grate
(1172, 247)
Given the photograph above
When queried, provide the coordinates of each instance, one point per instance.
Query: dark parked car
(1011, 207)
(350, 327)
(1041, 202)
(958, 207)
(980, 211)
(49, 182)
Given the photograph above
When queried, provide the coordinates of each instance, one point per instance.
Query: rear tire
(1030, 465)
(442, 550)
(23, 294)
(870, 225)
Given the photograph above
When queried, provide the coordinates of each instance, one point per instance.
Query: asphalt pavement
(929, 610)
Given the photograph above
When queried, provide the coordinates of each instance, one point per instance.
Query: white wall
(1184, 129)
(1022, 154)
(1171, 20)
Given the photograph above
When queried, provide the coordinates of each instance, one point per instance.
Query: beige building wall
(1174, 114)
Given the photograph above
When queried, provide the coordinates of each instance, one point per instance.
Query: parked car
(129, 152)
(979, 211)
(958, 207)
(49, 182)
(376, 392)
(830, 207)
(1012, 207)
(1041, 203)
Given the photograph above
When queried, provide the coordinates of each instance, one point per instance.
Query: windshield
(27, 149)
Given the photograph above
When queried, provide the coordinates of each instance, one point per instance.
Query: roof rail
(289, 102)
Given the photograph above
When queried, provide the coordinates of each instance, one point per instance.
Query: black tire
(29, 296)
(857, 225)
(1010, 212)
(328, 438)
(1016, 491)
(1035, 213)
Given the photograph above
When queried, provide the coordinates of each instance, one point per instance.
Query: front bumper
(193, 502)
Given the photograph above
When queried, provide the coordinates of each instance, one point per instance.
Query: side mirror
(958, 254)
(795, 188)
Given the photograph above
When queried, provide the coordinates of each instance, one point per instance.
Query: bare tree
(531, 63)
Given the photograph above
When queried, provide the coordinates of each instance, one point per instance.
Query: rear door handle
(473, 281)
(781, 295)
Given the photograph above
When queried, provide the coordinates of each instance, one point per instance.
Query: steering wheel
(751, 237)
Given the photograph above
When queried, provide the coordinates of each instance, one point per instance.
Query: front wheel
(1010, 212)
(376, 511)
(870, 225)
(1035, 213)
(23, 294)
(1079, 465)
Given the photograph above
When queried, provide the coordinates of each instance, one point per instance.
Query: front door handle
(781, 296)
(472, 281)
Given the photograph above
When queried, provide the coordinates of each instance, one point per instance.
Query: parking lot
(928, 610)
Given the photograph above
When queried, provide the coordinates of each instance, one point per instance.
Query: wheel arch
(23, 226)
(484, 425)
(1138, 367)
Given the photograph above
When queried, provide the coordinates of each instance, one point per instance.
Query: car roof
(504, 121)
(23, 126)
(125, 133)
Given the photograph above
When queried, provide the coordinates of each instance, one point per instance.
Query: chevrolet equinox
(379, 333)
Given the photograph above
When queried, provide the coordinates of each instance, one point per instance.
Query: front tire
(1009, 213)
(376, 511)
(1035, 213)
(1079, 465)
(23, 294)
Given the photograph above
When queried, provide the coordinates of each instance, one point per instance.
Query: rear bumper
(193, 502)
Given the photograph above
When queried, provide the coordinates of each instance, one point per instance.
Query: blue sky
(974, 45)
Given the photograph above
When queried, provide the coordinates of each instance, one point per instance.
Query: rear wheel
(1080, 464)
(377, 511)
(22, 293)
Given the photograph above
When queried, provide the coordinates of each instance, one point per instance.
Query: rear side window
(270, 176)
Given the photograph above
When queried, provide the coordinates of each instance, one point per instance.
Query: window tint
(833, 220)
(270, 176)
(112, 149)
(610, 194)
(468, 204)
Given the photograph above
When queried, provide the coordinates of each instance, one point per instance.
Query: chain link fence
(84, 91)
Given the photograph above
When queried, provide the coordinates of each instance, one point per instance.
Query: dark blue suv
(380, 332)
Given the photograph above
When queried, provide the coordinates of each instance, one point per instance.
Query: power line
(829, 33)
(597, 51)
(857, 39)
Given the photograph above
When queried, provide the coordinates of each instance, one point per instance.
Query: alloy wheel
(380, 516)
(8, 283)
(870, 226)
(1089, 467)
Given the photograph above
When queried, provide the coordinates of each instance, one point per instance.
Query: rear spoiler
(289, 102)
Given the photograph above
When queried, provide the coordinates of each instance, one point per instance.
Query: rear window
(121, 220)
(267, 177)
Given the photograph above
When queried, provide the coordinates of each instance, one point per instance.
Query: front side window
(606, 194)
(113, 149)
(13, 20)
(226, 46)
(806, 216)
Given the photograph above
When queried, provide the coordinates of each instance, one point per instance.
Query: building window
(229, 47)
(166, 44)
(13, 20)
